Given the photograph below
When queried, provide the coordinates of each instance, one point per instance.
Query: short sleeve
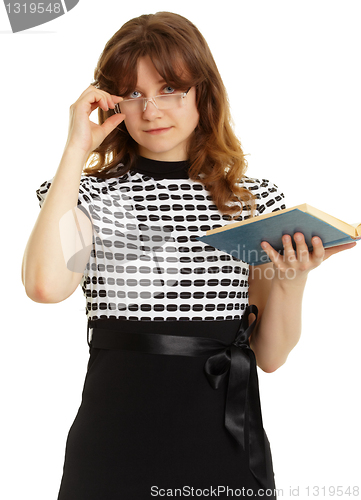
(85, 197)
(42, 191)
(269, 198)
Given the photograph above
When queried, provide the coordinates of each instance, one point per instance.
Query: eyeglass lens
(167, 101)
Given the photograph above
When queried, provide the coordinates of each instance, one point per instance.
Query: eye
(134, 95)
(168, 89)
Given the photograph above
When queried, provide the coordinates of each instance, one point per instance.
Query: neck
(162, 157)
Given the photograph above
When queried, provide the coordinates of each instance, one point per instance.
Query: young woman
(175, 327)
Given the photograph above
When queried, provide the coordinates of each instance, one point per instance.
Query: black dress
(151, 421)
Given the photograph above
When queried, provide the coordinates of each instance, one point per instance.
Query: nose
(150, 110)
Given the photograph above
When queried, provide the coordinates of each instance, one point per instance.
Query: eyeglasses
(139, 105)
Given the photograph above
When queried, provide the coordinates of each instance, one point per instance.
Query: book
(242, 240)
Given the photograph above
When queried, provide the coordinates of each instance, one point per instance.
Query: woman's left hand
(295, 265)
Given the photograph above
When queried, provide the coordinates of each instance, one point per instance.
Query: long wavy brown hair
(182, 57)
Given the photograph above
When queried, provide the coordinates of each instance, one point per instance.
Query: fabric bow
(242, 392)
(236, 359)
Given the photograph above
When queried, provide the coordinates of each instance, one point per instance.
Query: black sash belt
(236, 358)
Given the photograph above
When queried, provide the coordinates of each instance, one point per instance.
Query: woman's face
(162, 134)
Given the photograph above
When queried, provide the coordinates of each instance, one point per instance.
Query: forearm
(279, 328)
(44, 272)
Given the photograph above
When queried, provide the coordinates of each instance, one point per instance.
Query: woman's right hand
(83, 133)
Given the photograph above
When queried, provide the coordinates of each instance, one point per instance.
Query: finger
(101, 99)
(104, 97)
(288, 250)
(301, 248)
(112, 122)
(318, 252)
(113, 100)
(93, 106)
(94, 101)
(116, 99)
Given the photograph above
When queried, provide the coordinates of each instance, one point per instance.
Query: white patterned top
(146, 263)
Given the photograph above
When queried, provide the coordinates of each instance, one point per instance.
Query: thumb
(112, 122)
(337, 249)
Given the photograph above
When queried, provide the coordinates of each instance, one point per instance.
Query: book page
(357, 225)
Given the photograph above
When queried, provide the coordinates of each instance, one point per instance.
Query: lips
(157, 130)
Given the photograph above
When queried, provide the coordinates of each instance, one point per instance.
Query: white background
(292, 70)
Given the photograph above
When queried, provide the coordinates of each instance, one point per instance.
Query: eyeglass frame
(147, 99)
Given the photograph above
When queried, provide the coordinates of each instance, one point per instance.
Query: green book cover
(243, 241)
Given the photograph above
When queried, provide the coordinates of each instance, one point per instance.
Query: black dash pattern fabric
(146, 263)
